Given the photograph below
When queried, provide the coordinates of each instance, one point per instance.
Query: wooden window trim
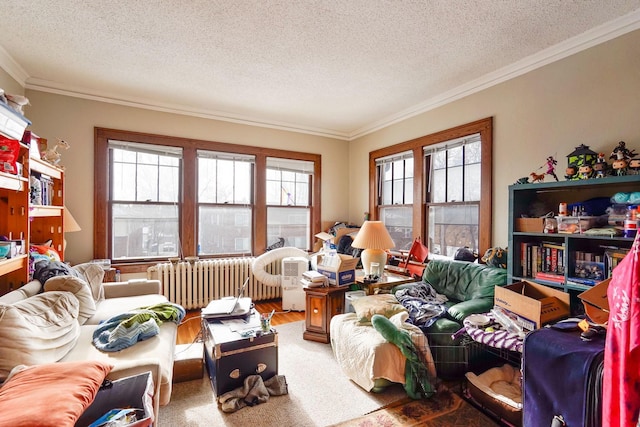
(484, 127)
(188, 225)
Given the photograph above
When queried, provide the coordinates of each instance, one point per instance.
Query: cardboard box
(596, 303)
(531, 304)
(188, 363)
(340, 269)
(530, 225)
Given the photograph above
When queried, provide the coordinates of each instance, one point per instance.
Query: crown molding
(12, 68)
(586, 40)
(67, 90)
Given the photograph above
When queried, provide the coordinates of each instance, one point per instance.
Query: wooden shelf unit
(20, 219)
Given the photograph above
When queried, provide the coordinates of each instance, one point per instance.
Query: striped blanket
(126, 329)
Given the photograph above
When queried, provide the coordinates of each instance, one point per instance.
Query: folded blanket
(126, 329)
(423, 303)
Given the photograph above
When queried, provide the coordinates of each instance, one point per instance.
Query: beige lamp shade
(374, 238)
(70, 223)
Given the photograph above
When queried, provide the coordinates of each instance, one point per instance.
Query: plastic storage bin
(349, 297)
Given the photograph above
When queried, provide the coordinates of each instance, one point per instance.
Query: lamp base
(373, 255)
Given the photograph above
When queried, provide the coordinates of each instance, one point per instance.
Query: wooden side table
(322, 305)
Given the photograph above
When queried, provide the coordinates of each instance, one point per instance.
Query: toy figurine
(600, 167)
(551, 167)
(634, 166)
(535, 177)
(523, 180)
(622, 152)
(570, 172)
(585, 171)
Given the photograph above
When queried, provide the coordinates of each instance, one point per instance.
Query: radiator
(194, 285)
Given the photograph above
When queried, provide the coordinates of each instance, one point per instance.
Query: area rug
(319, 393)
(444, 409)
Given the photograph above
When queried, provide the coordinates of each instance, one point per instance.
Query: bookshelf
(532, 251)
(25, 217)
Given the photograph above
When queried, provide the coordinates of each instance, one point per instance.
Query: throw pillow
(93, 274)
(53, 394)
(80, 289)
(384, 304)
(39, 329)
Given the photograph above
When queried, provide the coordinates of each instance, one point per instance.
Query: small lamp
(70, 224)
(374, 238)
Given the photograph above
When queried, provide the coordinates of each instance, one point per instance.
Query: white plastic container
(349, 296)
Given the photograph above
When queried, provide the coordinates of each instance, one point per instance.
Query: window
(225, 203)
(158, 196)
(454, 203)
(446, 196)
(395, 183)
(289, 201)
(143, 203)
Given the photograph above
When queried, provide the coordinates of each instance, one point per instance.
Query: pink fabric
(621, 385)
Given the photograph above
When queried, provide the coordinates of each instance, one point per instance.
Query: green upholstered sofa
(469, 288)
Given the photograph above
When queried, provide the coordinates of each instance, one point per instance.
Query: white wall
(590, 98)
(74, 119)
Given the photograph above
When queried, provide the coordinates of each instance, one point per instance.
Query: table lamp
(70, 223)
(374, 238)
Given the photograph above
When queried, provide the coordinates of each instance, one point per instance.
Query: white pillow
(80, 289)
(93, 275)
(40, 329)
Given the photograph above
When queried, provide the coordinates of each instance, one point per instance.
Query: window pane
(399, 222)
(439, 160)
(408, 167)
(144, 231)
(292, 224)
(139, 177)
(224, 230)
(274, 192)
(398, 192)
(472, 183)
(302, 194)
(169, 182)
(454, 184)
(122, 176)
(242, 190)
(288, 188)
(207, 180)
(386, 193)
(472, 153)
(408, 191)
(454, 156)
(438, 186)
(224, 193)
(388, 172)
(453, 227)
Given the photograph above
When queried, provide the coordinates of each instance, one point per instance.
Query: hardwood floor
(189, 330)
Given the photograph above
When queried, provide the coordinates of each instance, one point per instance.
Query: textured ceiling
(336, 68)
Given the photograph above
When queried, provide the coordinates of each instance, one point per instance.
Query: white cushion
(40, 329)
(107, 308)
(79, 288)
(93, 275)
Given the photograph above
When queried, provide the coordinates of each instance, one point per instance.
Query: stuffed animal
(416, 376)
(51, 155)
